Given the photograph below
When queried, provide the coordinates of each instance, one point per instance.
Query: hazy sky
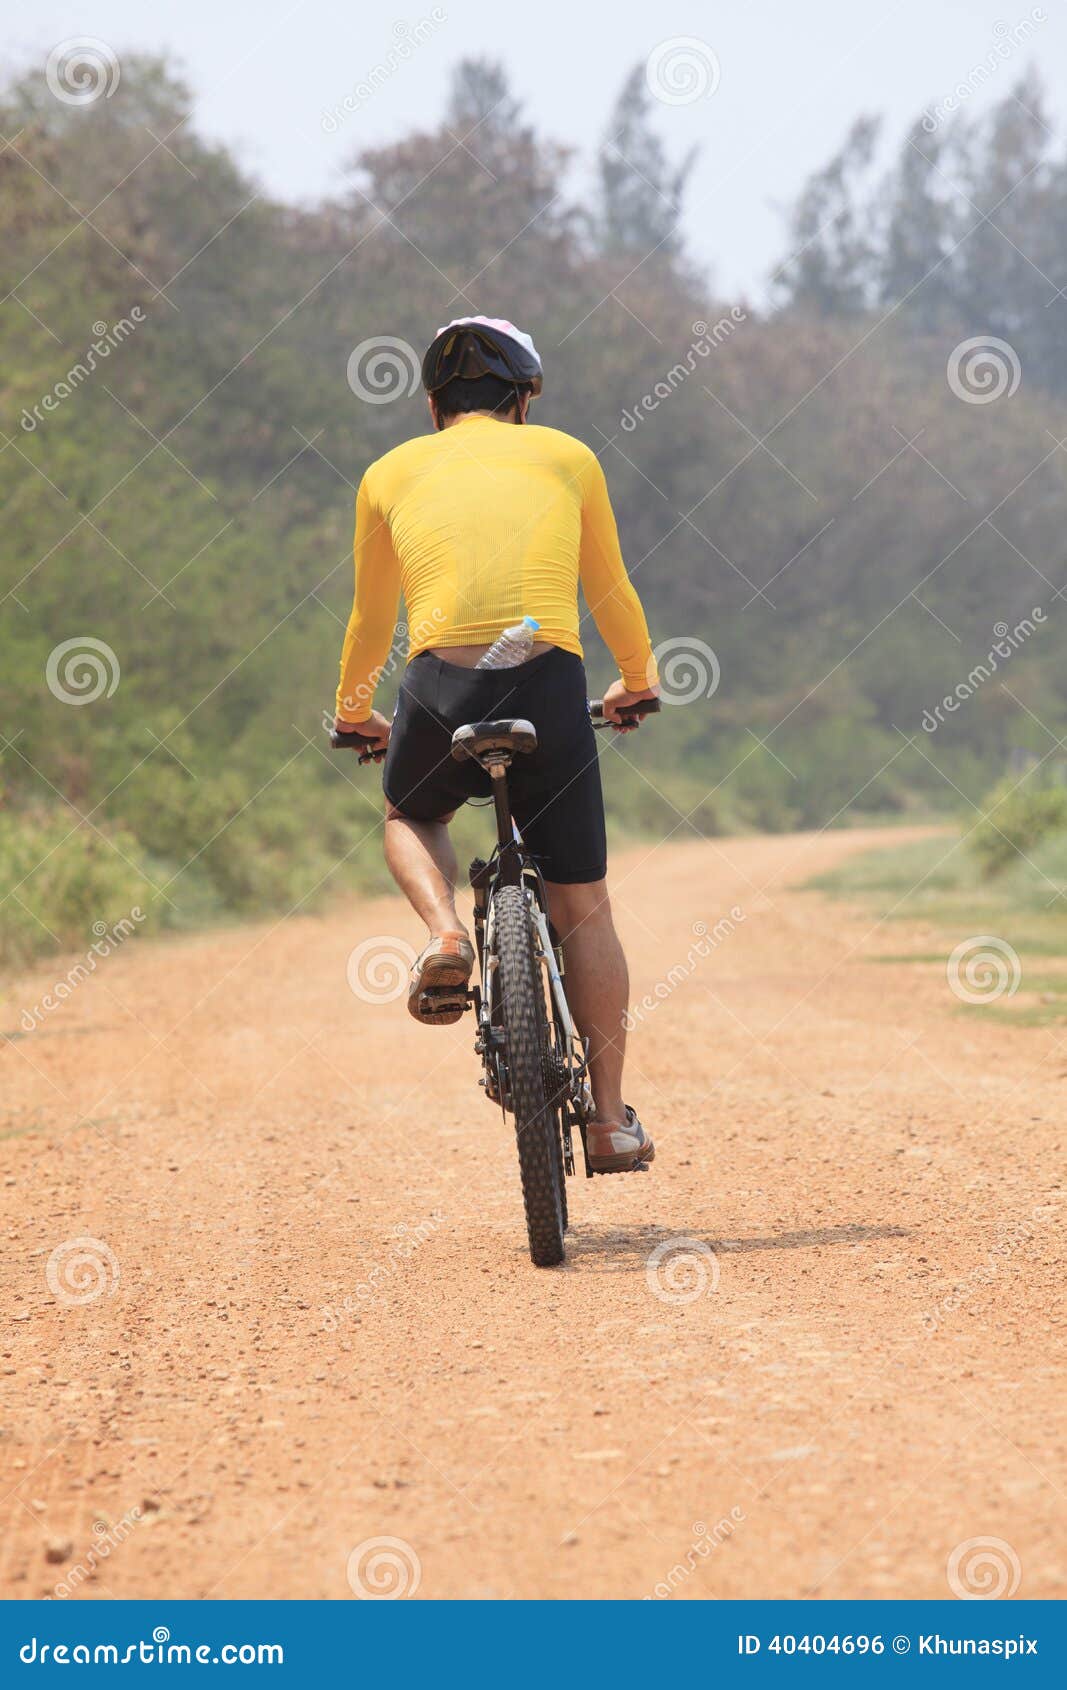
(782, 80)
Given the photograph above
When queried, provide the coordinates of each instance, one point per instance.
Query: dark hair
(482, 393)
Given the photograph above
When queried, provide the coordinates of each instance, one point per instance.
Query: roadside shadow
(632, 1245)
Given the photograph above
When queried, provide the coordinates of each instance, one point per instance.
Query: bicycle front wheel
(522, 1003)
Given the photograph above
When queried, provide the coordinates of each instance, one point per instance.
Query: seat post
(498, 773)
(493, 746)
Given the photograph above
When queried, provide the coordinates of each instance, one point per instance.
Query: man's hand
(376, 727)
(618, 697)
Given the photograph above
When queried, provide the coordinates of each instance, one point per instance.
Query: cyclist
(482, 522)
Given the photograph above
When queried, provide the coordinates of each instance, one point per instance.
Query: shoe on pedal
(617, 1147)
(446, 962)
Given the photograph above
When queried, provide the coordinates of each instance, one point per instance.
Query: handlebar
(355, 741)
(631, 717)
(628, 718)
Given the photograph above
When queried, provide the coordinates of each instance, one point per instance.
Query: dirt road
(267, 1297)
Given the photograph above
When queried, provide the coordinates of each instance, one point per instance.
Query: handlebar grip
(355, 741)
(351, 741)
(631, 714)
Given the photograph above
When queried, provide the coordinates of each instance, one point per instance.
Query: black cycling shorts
(555, 791)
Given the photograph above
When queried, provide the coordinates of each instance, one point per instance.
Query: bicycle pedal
(437, 998)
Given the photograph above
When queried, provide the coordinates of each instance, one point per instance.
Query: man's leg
(597, 985)
(423, 863)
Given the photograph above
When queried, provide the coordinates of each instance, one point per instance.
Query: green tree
(832, 248)
(641, 192)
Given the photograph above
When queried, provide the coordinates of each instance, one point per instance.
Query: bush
(1019, 816)
(61, 877)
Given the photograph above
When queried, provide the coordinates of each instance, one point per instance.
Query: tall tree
(476, 206)
(480, 96)
(919, 230)
(1006, 177)
(832, 247)
(641, 191)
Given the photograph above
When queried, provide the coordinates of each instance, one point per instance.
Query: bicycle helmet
(470, 347)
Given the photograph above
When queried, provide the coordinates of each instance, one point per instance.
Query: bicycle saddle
(480, 739)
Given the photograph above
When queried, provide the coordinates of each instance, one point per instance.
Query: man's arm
(374, 609)
(610, 593)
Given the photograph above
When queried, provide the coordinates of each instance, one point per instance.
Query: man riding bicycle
(484, 522)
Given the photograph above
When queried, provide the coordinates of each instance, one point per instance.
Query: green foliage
(189, 504)
(60, 879)
(1018, 817)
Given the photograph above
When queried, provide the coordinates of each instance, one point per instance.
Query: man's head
(484, 365)
(487, 394)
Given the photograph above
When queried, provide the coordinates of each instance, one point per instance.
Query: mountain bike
(535, 1062)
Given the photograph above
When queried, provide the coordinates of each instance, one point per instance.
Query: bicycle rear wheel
(522, 1003)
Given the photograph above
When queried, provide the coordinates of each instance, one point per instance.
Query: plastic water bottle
(514, 646)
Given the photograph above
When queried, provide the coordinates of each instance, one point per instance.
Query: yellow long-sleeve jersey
(480, 525)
